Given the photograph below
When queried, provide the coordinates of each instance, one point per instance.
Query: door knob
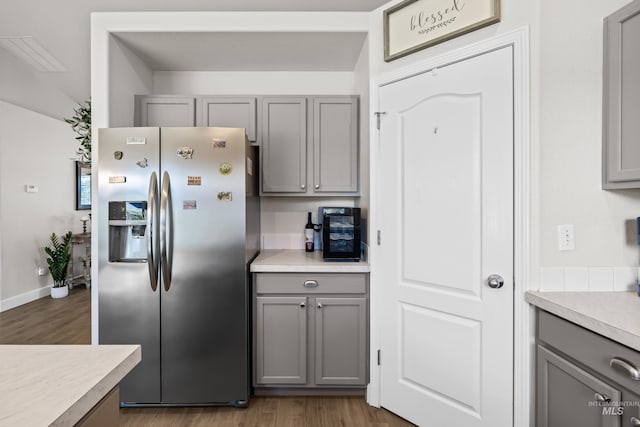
(495, 281)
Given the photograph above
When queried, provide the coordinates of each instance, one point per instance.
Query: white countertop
(299, 261)
(43, 385)
(615, 315)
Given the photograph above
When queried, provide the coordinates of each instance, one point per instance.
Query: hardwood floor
(68, 321)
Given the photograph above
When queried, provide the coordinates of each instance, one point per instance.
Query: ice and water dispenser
(127, 228)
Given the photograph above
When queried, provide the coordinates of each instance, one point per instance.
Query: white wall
(252, 83)
(128, 75)
(34, 149)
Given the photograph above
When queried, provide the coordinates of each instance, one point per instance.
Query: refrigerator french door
(178, 225)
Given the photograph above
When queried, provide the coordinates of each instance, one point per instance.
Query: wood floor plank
(68, 321)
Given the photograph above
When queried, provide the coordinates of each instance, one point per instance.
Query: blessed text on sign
(416, 24)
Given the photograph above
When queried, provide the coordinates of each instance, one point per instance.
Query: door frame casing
(523, 327)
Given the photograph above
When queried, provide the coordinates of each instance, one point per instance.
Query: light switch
(29, 188)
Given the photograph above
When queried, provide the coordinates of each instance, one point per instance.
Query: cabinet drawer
(586, 347)
(311, 283)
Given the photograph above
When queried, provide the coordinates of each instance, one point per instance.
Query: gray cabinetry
(621, 98)
(335, 145)
(577, 382)
(340, 341)
(227, 111)
(284, 145)
(164, 111)
(281, 340)
(310, 330)
(186, 111)
(310, 146)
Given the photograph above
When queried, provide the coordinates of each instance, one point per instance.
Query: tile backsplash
(588, 279)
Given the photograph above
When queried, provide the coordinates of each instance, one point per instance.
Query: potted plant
(59, 254)
(81, 124)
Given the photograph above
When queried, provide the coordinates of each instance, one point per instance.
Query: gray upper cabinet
(621, 98)
(335, 145)
(310, 146)
(227, 111)
(284, 145)
(164, 111)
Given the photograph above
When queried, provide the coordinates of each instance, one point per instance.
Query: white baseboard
(9, 303)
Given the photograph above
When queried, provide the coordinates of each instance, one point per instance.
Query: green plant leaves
(59, 255)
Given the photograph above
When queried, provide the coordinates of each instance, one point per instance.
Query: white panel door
(446, 221)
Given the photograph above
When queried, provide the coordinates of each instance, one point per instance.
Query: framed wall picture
(413, 25)
(83, 186)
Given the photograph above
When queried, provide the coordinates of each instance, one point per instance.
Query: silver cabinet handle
(634, 422)
(166, 256)
(624, 367)
(303, 304)
(152, 235)
(311, 284)
(319, 305)
(495, 281)
(602, 397)
(303, 186)
(317, 186)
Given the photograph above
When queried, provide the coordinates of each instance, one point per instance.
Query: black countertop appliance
(340, 233)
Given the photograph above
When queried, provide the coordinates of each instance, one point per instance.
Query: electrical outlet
(566, 238)
(42, 271)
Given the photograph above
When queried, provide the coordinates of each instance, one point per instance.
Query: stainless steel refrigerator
(178, 225)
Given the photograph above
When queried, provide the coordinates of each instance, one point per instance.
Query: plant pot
(59, 292)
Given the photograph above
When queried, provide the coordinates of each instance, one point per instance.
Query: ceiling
(64, 32)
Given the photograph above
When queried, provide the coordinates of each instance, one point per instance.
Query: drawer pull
(319, 305)
(602, 398)
(311, 284)
(635, 422)
(625, 367)
(303, 304)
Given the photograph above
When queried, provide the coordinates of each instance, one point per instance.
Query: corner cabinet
(621, 98)
(310, 146)
(310, 331)
(583, 379)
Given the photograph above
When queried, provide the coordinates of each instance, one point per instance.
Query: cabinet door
(622, 98)
(341, 341)
(570, 396)
(281, 340)
(233, 112)
(164, 111)
(284, 145)
(335, 145)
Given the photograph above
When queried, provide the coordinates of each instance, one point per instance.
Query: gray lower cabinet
(310, 146)
(578, 379)
(621, 98)
(310, 331)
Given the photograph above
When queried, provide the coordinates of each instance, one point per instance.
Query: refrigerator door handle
(166, 260)
(152, 235)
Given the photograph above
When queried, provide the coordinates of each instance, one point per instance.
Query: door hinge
(378, 357)
(378, 237)
(378, 114)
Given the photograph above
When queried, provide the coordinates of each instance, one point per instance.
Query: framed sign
(412, 25)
